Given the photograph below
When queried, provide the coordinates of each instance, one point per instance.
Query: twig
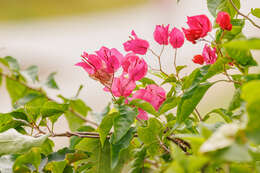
(162, 145)
(181, 143)
(197, 112)
(175, 66)
(159, 60)
(50, 99)
(241, 14)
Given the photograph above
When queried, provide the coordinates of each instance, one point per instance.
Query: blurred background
(53, 33)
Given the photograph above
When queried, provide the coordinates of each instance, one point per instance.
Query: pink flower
(223, 19)
(153, 94)
(198, 59)
(199, 26)
(192, 34)
(122, 86)
(161, 34)
(136, 45)
(142, 114)
(96, 68)
(91, 63)
(176, 38)
(209, 54)
(134, 66)
(111, 57)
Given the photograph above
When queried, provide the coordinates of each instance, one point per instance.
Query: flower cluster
(104, 64)
(199, 27)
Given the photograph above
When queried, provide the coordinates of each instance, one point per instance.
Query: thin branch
(175, 66)
(159, 60)
(181, 143)
(241, 14)
(50, 99)
(197, 112)
(162, 145)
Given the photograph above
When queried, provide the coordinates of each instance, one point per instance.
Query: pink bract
(111, 57)
(153, 94)
(209, 54)
(122, 86)
(198, 59)
(199, 26)
(91, 63)
(136, 45)
(224, 21)
(161, 34)
(134, 66)
(142, 114)
(176, 38)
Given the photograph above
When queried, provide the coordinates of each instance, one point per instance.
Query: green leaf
(168, 104)
(144, 105)
(236, 32)
(223, 137)
(74, 157)
(15, 89)
(117, 147)
(149, 135)
(252, 43)
(47, 147)
(32, 157)
(213, 6)
(11, 63)
(138, 162)
(190, 100)
(236, 100)
(50, 82)
(33, 108)
(56, 166)
(195, 77)
(216, 68)
(183, 163)
(31, 73)
(74, 121)
(256, 12)
(226, 6)
(179, 68)
(250, 93)
(51, 108)
(105, 126)
(27, 98)
(226, 115)
(59, 155)
(12, 142)
(146, 81)
(241, 56)
(99, 155)
(123, 121)
(170, 79)
(80, 107)
(8, 121)
(234, 153)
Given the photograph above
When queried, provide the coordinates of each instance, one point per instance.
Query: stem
(175, 66)
(197, 112)
(159, 60)
(181, 143)
(241, 14)
(163, 146)
(50, 99)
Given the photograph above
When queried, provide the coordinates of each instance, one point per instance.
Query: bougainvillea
(150, 125)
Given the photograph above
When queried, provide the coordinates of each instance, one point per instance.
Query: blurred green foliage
(31, 9)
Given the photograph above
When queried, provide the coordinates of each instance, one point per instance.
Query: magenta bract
(136, 45)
